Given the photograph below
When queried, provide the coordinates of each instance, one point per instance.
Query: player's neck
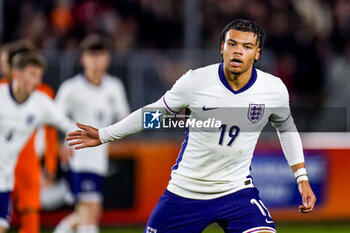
(237, 81)
(19, 93)
(94, 78)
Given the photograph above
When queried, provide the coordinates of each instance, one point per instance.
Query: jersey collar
(91, 84)
(13, 95)
(11, 92)
(227, 85)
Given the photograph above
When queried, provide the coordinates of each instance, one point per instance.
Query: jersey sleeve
(129, 125)
(281, 111)
(287, 132)
(179, 96)
(53, 115)
(51, 136)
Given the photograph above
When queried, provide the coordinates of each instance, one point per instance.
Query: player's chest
(89, 99)
(18, 119)
(251, 109)
(94, 107)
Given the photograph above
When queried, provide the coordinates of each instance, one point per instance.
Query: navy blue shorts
(4, 209)
(86, 186)
(241, 212)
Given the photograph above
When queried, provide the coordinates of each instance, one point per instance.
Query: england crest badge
(256, 112)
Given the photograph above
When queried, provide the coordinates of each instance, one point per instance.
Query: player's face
(95, 63)
(239, 51)
(29, 78)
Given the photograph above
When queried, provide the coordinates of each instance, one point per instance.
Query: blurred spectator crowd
(308, 41)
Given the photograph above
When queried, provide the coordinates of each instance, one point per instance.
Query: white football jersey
(18, 122)
(216, 162)
(93, 105)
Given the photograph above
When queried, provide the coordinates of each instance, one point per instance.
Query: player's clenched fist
(308, 197)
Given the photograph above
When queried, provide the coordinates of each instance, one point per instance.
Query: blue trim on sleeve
(224, 81)
(283, 120)
(166, 105)
(183, 148)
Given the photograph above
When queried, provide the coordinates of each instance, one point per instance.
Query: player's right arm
(86, 137)
(171, 102)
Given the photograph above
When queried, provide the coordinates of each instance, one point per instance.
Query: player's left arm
(51, 143)
(293, 152)
(54, 116)
(292, 148)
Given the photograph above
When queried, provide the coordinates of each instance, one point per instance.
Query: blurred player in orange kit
(26, 193)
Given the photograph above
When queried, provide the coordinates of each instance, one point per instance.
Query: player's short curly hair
(22, 60)
(244, 26)
(19, 47)
(95, 43)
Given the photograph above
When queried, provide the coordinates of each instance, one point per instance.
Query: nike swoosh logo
(268, 221)
(207, 109)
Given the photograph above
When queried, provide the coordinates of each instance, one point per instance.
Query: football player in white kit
(97, 98)
(23, 109)
(211, 180)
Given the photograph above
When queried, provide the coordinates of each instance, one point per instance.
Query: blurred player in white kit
(93, 97)
(23, 110)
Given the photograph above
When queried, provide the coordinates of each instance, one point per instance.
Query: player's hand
(308, 197)
(86, 137)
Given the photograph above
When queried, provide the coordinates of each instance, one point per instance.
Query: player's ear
(82, 59)
(15, 73)
(258, 53)
(222, 48)
(108, 58)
